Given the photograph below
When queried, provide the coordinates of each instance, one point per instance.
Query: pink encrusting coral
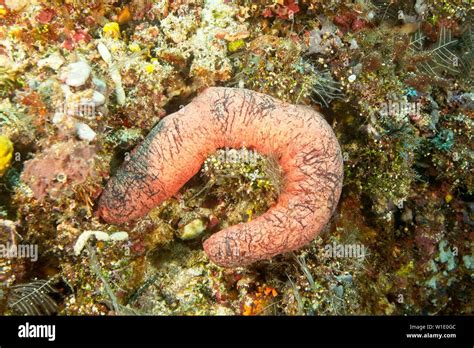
(58, 168)
(174, 151)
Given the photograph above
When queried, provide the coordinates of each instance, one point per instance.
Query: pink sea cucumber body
(174, 151)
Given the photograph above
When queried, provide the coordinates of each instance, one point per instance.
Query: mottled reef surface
(83, 82)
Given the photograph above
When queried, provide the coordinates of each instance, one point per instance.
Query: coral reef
(82, 85)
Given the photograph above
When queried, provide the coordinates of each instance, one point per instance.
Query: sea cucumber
(220, 117)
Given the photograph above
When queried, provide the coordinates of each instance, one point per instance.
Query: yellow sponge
(6, 153)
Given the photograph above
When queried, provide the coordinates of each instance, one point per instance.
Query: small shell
(84, 237)
(84, 132)
(77, 73)
(193, 229)
(104, 53)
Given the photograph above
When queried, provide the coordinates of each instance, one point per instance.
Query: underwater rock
(408, 190)
(225, 117)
